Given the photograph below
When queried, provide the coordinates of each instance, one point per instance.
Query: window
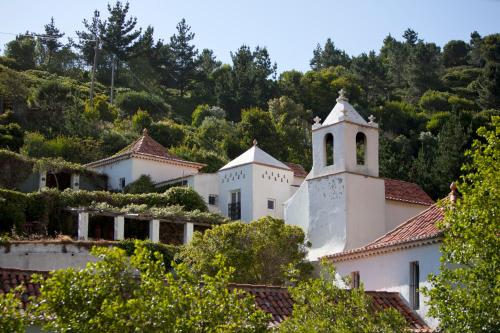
(355, 280)
(212, 199)
(234, 206)
(122, 183)
(329, 158)
(270, 204)
(414, 285)
(360, 148)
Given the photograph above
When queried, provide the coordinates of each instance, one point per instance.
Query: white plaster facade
(391, 272)
(44, 256)
(398, 211)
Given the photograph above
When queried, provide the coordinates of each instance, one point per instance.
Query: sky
(289, 29)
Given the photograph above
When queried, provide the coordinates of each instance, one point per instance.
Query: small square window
(212, 199)
(270, 204)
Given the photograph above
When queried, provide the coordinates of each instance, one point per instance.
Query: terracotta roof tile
(271, 299)
(298, 170)
(404, 191)
(279, 304)
(418, 228)
(145, 146)
(11, 278)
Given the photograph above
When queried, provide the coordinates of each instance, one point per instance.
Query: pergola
(119, 223)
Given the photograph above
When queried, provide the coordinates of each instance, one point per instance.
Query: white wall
(159, 171)
(365, 209)
(391, 272)
(233, 179)
(296, 209)
(270, 183)
(117, 170)
(397, 212)
(44, 256)
(206, 184)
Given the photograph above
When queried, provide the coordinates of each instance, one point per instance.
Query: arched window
(329, 159)
(360, 148)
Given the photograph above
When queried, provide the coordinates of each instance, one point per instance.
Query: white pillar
(119, 228)
(75, 181)
(188, 232)
(154, 231)
(83, 226)
(42, 184)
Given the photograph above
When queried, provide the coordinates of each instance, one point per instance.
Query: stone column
(75, 181)
(83, 226)
(119, 228)
(154, 231)
(188, 232)
(42, 184)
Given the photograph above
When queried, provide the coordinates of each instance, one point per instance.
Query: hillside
(428, 101)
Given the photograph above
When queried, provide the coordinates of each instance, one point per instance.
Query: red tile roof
(145, 146)
(278, 302)
(11, 278)
(298, 170)
(271, 299)
(419, 228)
(407, 192)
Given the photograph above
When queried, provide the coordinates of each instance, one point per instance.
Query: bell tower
(344, 142)
(341, 205)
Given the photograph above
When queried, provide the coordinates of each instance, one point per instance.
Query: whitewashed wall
(206, 184)
(391, 272)
(397, 212)
(44, 256)
(117, 170)
(233, 179)
(270, 183)
(159, 171)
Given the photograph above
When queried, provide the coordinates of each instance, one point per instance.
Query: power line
(44, 36)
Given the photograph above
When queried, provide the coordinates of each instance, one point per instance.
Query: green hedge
(13, 207)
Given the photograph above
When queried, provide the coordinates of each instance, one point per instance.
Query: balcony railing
(234, 211)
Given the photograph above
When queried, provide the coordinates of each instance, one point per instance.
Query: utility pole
(96, 49)
(112, 78)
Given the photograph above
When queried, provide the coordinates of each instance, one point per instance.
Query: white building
(145, 156)
(399, 261)
(251, 186)
(344, 204)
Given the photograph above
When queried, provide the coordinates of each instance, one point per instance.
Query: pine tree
(51, 41)
(184, 56)
(329, 56)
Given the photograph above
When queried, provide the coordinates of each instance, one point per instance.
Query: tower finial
(255, 142)
(145, 131)
(454, 192)
(342, 96)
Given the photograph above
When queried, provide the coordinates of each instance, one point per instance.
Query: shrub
(131, 101)
(167, 251)
(186, 197)
(141, 120)
(143, 184)
(167, 132)
(12, 210)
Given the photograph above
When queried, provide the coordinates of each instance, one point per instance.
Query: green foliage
(130, 101)
(167, 132)
(266, 251)
(464, 295)
(455, 53)
(323, 307)
(138, 293)
(141, 120)
(13, 206)
(22, 50)
(212, 160)
(328, 56)
(101, 110)
(186, 197)
(143, 184)
(14, 169)
(203, 111)
(257, 124)
(74, 149)
(12, 320)
(167, 251)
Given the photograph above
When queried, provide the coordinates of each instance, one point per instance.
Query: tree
(410, 36)
(329, 56)
(23, 51)
(141, 120)
(257, 124)
(12, 320)
(371, 74)
(321, 306)
(265, 251)
(122, 294)
(424, 69)
(50, 42)
(184, 57)
(455, 53)
(489, 81)
(464, 294)
(143, 184)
